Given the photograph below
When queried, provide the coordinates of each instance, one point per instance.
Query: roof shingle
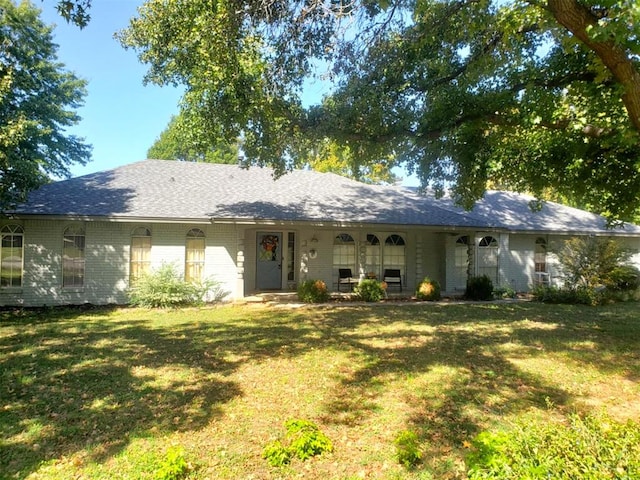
(161, 190)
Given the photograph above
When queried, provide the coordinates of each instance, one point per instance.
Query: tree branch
(578, 19)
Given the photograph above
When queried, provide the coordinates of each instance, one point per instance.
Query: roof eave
(111, 218)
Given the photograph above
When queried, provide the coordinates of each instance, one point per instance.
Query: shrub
(276, 454)
(313, 291)
(591, 261)
(428, 290)
(504, 292)
(165, 287)
(564, 295)
(624, 278)
(408, 449)
(479, 288)
(590, 448)
(303, 440)
(174, 466)
(369, 291)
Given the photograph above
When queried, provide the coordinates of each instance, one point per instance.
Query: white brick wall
(107, 246)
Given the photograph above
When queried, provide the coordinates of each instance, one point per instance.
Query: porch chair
(542, 278)
(393, 277)
(345, 277)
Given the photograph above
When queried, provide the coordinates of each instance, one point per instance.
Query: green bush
(589, 448)
(369, 290)
(165, 287)
(174, 466)
(592, 261)
(313, 291)
(276, 454)
(408, 448)
(428, 290)
(504, 292)
(479, 288)
(573, 296)
(303, 440)
(621, 295)
(624, 278)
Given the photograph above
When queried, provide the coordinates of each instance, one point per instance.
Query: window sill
(10, 290)
(72, 289)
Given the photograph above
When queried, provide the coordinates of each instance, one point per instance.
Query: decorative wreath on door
(269, 245)
(269, 242)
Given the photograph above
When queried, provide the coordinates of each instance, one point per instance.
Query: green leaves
(37, 102)
(303, 440)
(167, 288)
(465, 93)
(590, 447)
(180, 141)
(75, 11)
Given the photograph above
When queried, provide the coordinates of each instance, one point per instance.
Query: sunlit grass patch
(105, 394)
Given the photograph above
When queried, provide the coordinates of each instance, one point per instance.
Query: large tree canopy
(530, 95)
(37, 102)
(180, 141)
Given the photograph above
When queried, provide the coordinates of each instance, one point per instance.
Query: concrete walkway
(343, 299)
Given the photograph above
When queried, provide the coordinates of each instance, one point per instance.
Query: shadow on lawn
(92, 381)
(486, 384)
(71, 382)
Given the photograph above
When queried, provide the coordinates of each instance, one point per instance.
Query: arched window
(540, 255)
(394, 253)
(140, 252)
(488, 258)
(462, 255)
(11, 256)
(73, 257)
(344, 252)
(372, 255)
(194, 263)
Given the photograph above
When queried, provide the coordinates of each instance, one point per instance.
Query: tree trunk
(577, 18)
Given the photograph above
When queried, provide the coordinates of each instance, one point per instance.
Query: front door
(269, 261)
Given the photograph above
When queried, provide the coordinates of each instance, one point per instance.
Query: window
(488, 258)
(140, 254)
(11, 256)
(73, 257)
(540, 275)
(372, 255)
(394, 253)
(462, 261)
(291, 258)
(540, 255)
(344, 253)
(194, 265)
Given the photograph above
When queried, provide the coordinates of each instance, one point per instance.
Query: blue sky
(121, 117)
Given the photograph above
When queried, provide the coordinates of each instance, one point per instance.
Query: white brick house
(82, 240)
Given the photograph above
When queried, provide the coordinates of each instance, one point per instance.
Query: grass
(106, 393)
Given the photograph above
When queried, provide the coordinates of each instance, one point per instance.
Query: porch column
(240, 267)
(419, 261)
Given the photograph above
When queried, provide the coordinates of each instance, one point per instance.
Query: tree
(328, 156)
(176, 142)
(37, 102)
(530, 94)
(75, 11)
(592, 261)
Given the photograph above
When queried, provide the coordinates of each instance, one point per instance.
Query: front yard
(107, 393)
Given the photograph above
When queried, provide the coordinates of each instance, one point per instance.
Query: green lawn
(106, 393)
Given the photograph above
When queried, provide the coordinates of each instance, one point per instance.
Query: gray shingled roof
(166, 190)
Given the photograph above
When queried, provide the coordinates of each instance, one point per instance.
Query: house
(82, 240)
